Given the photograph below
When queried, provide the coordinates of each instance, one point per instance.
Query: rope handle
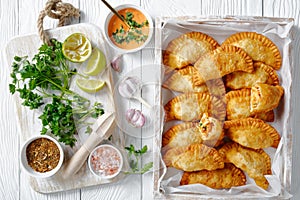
(55, 9)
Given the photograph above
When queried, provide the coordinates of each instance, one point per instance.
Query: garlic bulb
(135, 117)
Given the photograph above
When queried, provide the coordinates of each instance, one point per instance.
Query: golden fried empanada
(238, 106)
(223, 60)
(229, 176)
(187, 48)
(265, 116)
(256, 163)
(257, 46)
(209, 132)
(191, 106)
(194, 157)
(262, 74)
(265, 97)
(182, 81)
(252, 133)
(182, 134)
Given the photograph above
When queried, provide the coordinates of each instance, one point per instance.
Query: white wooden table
(18, 17)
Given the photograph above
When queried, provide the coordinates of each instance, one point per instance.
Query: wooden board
(29, 123)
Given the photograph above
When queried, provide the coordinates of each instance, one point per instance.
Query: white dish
(31, 171)
(114, 152)
(110, 15)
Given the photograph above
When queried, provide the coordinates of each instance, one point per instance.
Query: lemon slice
(77, 48)
(91, 85)
(96, 63)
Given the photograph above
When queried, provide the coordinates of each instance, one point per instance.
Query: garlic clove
(135, 117)
(115, 63)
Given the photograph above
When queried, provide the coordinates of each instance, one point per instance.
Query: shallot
(135, 117)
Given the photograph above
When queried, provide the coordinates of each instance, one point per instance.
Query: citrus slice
(96, 63)
(90, 85)
(77, 48)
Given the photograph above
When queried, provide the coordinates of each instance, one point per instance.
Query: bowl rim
(119, 153)
(144, 12)
(31, 171)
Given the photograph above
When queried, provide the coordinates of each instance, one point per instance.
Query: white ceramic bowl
(104, 156)
(31, 171)
(148, 17)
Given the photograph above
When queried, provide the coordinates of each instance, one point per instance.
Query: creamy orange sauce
(115, 23)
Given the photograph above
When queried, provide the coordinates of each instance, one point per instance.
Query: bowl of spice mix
(42, 156)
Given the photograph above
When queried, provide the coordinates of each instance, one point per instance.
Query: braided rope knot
(56, 9)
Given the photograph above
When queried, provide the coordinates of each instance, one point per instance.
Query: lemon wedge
(77, 48)
(90, 85)
(96, 63)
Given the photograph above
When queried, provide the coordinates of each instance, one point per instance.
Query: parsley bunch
(133, 34)
(46, 81)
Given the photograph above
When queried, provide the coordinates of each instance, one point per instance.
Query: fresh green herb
(45, 81)
(133, 34)
(134, 163)
(88, 130)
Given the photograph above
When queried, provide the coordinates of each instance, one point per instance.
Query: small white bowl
(105, 156)
(110, 15)
(31, 171)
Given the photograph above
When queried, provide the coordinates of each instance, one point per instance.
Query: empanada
(238, 106)
(252, 133)
(229, 176)
(191, 106)
(208, 131)
(265, 116)
(194, 157)
(256, 163)
(182, 81)
(265, 97)
(182, 134)
(187, 48)
(257, 46)
(224, 60)
(262, 74)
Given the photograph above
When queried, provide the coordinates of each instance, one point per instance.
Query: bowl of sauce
(132, 38)
(42, 156)
(105, 161)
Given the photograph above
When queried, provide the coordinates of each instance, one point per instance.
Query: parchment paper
(279, 31)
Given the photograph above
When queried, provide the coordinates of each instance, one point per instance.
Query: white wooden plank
(90, 11)
(29, 12)
(204, 7)
(172, 8)
(130, 188)
(291, 8)
(231, 7)
(9, 147)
